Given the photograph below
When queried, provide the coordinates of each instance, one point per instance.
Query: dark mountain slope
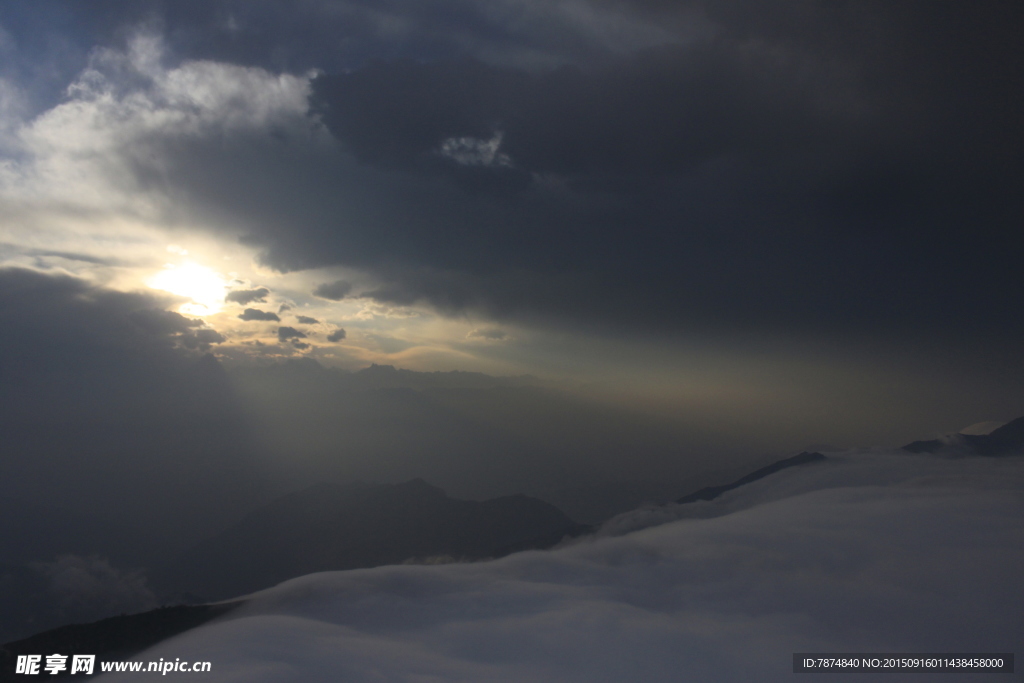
(114, 638)
(712, 492)
(1007, 440)
(331, 527)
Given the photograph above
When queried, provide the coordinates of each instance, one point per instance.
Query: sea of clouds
(870, 551)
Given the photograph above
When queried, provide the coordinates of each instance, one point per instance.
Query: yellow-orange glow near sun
(204, 286)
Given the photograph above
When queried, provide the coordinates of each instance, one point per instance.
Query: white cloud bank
(90, 149)
(100, 173)
(870, 552)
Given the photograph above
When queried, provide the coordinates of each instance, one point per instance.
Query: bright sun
(205, 287)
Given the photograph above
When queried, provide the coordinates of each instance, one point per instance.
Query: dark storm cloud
(107, 417)
(336, 336)
(203, 340)
(791, 180)
(793, 165)
(659, 112)
(248, 296)
(183, 330)
(285, 333)
(328, 34)
(801, 167)
(159, 321)
(48, 302)
(257, 314)
(120, 440)
(333, 291)
(306, 320)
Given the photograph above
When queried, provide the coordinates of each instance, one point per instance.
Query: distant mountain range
(712, 492)
(332, 526)
(322, 528)
(1007, 440)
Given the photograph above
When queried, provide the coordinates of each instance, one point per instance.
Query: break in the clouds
(865, 552)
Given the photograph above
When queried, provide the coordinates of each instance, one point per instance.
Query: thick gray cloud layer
(870, 552)
(762, 177)
(726, 165)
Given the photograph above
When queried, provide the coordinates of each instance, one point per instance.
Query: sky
(675, 200)
(597, 251)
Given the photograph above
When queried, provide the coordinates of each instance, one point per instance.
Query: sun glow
(204, 286)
